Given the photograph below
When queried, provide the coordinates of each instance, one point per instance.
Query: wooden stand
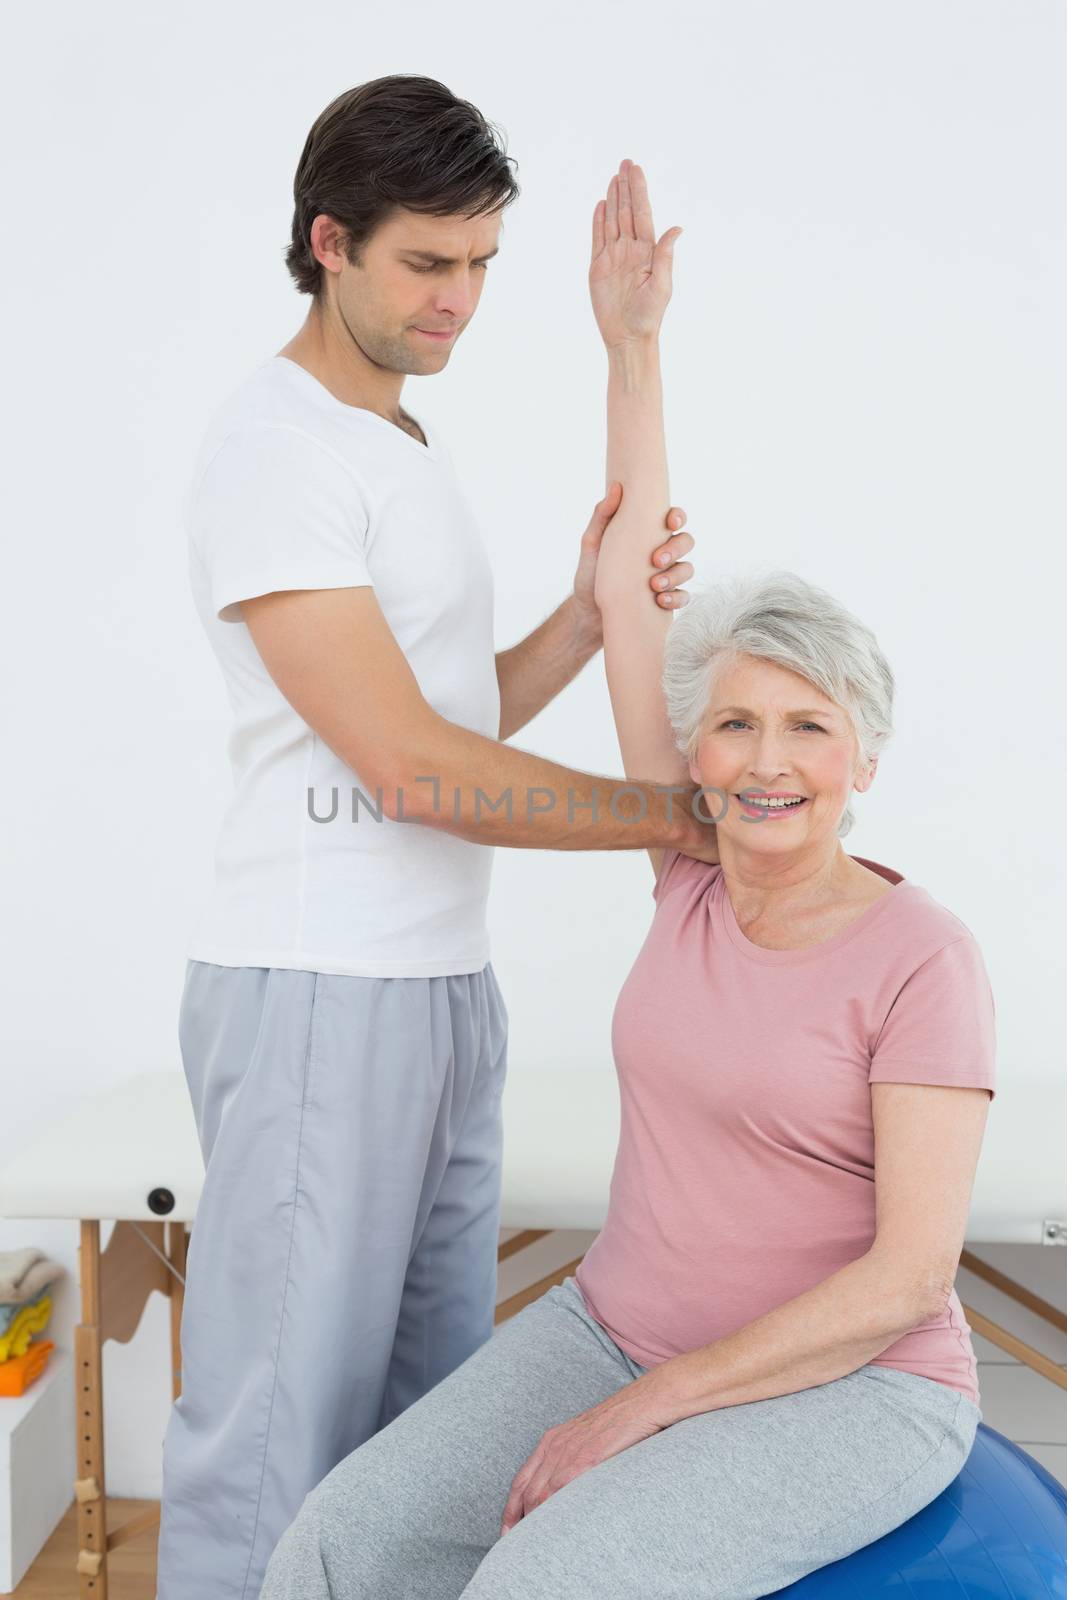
(140, 1257)
(1017, 1348)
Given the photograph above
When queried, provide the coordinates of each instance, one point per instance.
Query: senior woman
(761, 1364)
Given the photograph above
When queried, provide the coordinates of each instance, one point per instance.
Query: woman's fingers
(626, 212)
(642, 206)
(663, 258)
(598, 227)
(611, 214)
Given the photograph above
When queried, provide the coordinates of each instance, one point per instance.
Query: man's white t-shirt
(295, 489)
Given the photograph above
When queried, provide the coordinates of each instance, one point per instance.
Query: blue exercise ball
(998, 1532)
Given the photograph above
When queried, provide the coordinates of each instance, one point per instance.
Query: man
(341, 1028)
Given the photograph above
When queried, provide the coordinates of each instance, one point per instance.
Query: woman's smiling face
(768, 731)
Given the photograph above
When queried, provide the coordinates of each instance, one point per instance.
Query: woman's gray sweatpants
(343, 1257)
(724, 1505)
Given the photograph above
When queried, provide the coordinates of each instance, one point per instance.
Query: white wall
(864, 367)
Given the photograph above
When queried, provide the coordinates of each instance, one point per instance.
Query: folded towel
(24, 1273)
(30, 1320)
(9, 1313)
(17, 1374)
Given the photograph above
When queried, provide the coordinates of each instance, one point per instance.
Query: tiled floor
(1016, 1401)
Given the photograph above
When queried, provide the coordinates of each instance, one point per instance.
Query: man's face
(416, 288)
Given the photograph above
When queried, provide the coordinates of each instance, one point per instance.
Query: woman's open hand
(630, 273)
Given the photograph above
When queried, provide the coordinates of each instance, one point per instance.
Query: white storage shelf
(36, 1466)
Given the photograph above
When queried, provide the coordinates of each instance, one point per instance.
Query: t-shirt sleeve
(276, 509)
(667, 862)
(676, 868)
(941, 1027)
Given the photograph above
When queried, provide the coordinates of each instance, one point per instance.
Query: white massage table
(131, 1154)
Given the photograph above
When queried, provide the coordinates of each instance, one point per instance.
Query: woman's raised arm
(630, 285)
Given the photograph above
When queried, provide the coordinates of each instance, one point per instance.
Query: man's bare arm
(334, 657)
(534, 671)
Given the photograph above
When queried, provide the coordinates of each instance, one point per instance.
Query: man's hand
(700, 809)
(666, 573)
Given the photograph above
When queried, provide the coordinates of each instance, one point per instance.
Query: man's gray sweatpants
(343, 1258)
(727, 1504)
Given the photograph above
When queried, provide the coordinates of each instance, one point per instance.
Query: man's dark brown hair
(395, 141)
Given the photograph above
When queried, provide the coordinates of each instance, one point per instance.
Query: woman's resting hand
(571, 1448)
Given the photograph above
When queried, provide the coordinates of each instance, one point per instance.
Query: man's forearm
(534, 671)
(823, 1334)
(491, 793)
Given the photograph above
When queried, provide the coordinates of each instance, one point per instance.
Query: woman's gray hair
(778, 617)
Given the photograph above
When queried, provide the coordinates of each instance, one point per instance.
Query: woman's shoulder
(920, 925)
(923, 902)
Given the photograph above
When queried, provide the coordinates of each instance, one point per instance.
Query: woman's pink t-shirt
(745, 1168)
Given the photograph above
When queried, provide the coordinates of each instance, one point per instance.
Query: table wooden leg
(177, 1247)
(115, 1286)
(89, 1487)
